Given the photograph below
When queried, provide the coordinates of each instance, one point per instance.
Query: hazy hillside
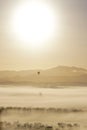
(61, 75)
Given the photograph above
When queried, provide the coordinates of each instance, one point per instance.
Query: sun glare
(34, 23)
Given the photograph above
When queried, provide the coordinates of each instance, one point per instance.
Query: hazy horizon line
(33, 69)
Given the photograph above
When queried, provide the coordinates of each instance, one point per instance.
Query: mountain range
(60, 75)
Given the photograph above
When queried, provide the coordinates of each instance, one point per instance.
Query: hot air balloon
(38, 72)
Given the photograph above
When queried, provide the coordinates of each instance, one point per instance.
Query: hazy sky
(68, 47)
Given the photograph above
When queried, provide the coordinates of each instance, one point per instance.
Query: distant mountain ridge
(69, 68)
(61, 75)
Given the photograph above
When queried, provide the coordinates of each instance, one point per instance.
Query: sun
(34, 23)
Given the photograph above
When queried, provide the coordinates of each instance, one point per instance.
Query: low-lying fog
(43, 97)
(68, 98)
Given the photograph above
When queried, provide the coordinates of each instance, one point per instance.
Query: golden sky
(67, 45)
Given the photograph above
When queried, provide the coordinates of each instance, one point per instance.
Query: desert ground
(36, 108)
